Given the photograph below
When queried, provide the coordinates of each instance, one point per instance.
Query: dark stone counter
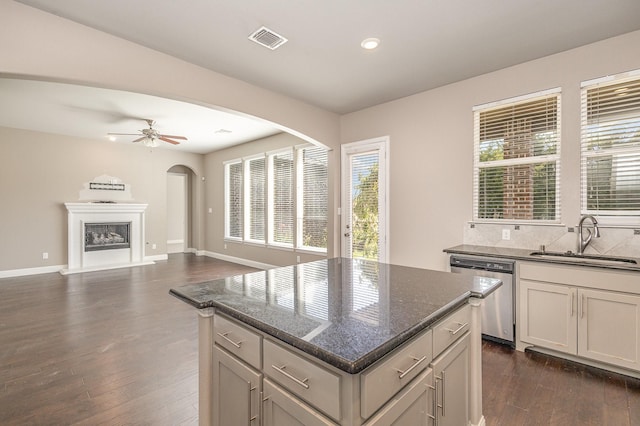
(346, 312)
(525, 254)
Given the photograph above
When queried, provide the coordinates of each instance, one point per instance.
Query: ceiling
(91, 113)
(424, 44)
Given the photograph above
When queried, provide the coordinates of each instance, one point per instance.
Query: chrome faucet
(582, 243)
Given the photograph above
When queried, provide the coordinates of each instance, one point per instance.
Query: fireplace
(106, 236)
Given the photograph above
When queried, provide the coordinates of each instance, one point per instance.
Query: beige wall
(431, 143)
(42, 171)
(214, 172)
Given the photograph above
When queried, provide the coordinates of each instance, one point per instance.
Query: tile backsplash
(612, 241)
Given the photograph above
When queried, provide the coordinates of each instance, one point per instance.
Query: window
(610, 160)
(312, 211)
(233, 200)
(281, 196)
(517, 159)
(280, 199)
(255, 198)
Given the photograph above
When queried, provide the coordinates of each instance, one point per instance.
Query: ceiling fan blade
(140, 139)
(162, 138)
(123, 134)
(182, 138)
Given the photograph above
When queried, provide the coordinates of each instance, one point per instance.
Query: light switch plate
(506, 234)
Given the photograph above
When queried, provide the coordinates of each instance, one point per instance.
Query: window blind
(517, 160)
(610, 160)
(281, 197)
(256, 192)
(233, 210)
(364, 214)
(315, 198)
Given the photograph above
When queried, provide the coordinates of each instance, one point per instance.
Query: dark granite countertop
(525, 254)
(346, 312)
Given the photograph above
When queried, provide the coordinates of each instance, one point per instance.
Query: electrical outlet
(153, 246)
(225, 246)
(298, 259)
(506, 234)
(45, 255)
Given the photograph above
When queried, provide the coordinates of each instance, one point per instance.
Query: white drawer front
(385, 378)
(238, 340)
(314, 384)
(450, 329)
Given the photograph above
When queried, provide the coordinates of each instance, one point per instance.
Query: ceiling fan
(150, 137)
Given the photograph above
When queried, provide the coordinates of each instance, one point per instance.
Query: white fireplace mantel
(80, 260)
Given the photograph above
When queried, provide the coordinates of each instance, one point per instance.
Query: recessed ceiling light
(223, 131)
(112, 138)
(370, 43)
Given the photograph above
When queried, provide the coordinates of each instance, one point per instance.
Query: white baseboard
(104, 267)
(156, 258)
(238, 260)
(31, 271)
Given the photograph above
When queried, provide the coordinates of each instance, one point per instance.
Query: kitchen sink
(587, 258)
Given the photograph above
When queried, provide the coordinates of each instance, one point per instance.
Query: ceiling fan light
(150, 142)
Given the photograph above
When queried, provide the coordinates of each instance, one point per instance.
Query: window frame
(532, 160)
(227, 206)
(271, 212)
(297, 205)
(606, 217)
(247, 182)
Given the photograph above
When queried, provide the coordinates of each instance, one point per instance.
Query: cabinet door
(548, 316)
(608, 328)
(413, 406)
(280, 408)
(236, 391)
(451, 374)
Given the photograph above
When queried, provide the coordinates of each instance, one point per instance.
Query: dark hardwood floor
(113, 348)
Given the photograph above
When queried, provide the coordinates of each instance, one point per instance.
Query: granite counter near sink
(525, 254)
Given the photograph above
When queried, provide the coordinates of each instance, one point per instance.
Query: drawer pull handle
(408, 370)
(302, 382)
(224, 336)
(457, 330)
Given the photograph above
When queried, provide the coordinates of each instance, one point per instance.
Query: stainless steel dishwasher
(498, 310)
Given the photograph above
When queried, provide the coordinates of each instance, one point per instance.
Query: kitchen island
(340, 341)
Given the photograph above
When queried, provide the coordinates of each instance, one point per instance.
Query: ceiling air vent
(267, 38)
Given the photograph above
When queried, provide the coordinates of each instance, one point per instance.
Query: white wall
(431, 144)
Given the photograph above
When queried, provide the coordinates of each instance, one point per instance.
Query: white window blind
(365, 205)
(281, 198)
(610, 160)
(312, 212)
(517, 159)
(233, 204)
(256, 199)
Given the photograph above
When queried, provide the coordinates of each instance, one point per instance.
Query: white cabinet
(451, 373)
(280, 408)
(547, 315)
(413, 406)
(236, 391)
(257, 380)
(558, 313)
(609, 327)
